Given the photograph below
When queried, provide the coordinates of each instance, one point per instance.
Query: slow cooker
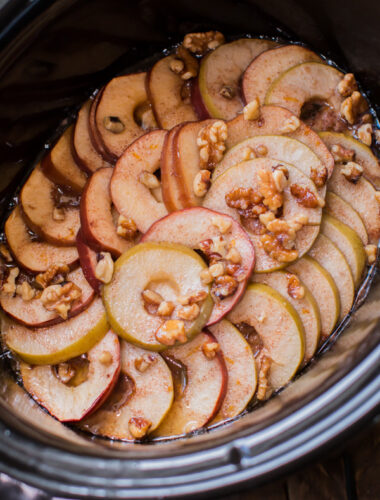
(53, 54)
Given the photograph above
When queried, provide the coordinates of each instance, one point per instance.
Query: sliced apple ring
(170, 270)
(280, 148)
(269, 65)
(325, 292)
(196, 404)
(348, 242)
(39, 211)
(241, 368)
(60, 166)
(115, 113)
(306, 306)
(165, 90)
(88, 261)
(130, 192)
(343, 211)
(328, 255)
(33, 314)
(86, 156)
(95, 137)
(246, 175)
(98, 226)
(272, 121)
(223, 68)
(362, 197)
(140, 400)
(361, 154)
(279, 328)
(58, 343)
(32, 254)
(91, 382)
(193, 226)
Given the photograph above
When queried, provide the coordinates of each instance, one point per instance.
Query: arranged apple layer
(185, 246)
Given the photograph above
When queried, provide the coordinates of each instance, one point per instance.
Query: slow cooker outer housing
(52, 55)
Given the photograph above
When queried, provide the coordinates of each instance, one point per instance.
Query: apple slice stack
(190, 240)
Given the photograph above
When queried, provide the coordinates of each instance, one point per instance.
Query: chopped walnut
(200, 43)
(252, 110)
(233, 256)
(290, 125)
(275, 249)
(248, 154)
(224, 286)
(25, 291)
(319, 176)
(65, 372)
(5, 253)
(242, 198)
(295, 288)
(201, 183)
(105, 358)
(177, 66)
(305, 197)
(104, 268)
(165, 308)
(50, 275)
(280, 180)
(211, 142)
(151, 297)
(58, 214)
(149, 180)
(263, 382)
(193, 298)
(139, 427)
(190, 64)
(347, 85)
(189, 313)
(377, 196)
(365, 134)
(60, 298)
(148, 121)
(210, 349)
(206, 276)
(352, 107)
(218, 245)
(216, 269)
(171, 331)
(342, 154)
(227, 92)
(224, 224)
(352, 171)
(371, 252)
(126, 227)
(273, 199)
(142, 363)
(261, 150)
(9, 286)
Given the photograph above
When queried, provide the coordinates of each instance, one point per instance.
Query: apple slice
(115, 115)
(348, 243)
(201, 399)
(95, 137)
(222, 69)
(56, 344)
(278, 327)
(39, 211)
(167, 269)
(306, 306)
(143, 395)
(88, 261)
(85, 155)
(328, 255)
(241, 368)
(246, 175)
(343, 211)
(31, 253)
(131, 197)
(325, 292)
(197, 101)
(269, 65)
(89, 386)
(166, 91)
(362, 154)
(192, 226)
(271, 122)
(33, 314)
(97, 223)
(280, 148)
(60, 166)
(362, 197)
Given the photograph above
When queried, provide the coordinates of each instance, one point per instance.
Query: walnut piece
(9, 286)
(248, 154)
(224, 286)
(342, 154)
(189, 313)
(200, 43)
(365, 134)
(290, 125)
(272, 197)
(280, 179)
(216, 270)
(352, 171)
(149, 180)
(377, 196)
(275, 248)
(252, 110)
(177, 66)
(206, 276)
(193, 298)
(190, 65)
(224, 224)
(171, 331)
(165, 308)
(201, 183)
(211, 141)
(147, 119)
(60, 298)
(295, 288)
(139, 427)
(25, 291)
(243, 198)
(305, 197)
(151, 297)
(58, 214)
(261, 150)
(319, 176)
(144, 362)
(105, 358)
(210, 349)
(353, 106)
(65, 372)
(347, 85)
(233, 256)
(126, 227)
(263, 382)
(104, 268)
(51, 274)
(371, 252)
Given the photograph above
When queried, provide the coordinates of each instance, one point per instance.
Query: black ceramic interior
(53, 54)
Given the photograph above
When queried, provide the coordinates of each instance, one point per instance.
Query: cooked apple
(31, 253)
(40, 211)
(97, 223)
(151, 274)
(84, 152)
(328, 255)
(241, 368)
(88, 261)
(277, 328)
(269, 65)
(325, 292)
(361, 154)
(95, 137)
(195, 226)
(343, 211)
(280, 148)
(58, 343)
(246, 175)
(60, 166)
(32, 313)
(115, 116)
(273, 121)
(220, 75)
(197, 101)
(74, 389)
(133, 182)
(169, 94)
(362, 196)
(200, 400)
(348, 242)
(140, 400)
(290, 286)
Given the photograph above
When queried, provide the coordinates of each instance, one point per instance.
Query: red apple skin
(93, 130)
(197, 101)
(88, 261)
(223, 367)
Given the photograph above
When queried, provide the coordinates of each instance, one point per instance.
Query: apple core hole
(318, 114)
(73, 372)
(143, 116)
(121, 394)
(179, 374)
(252, 336)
